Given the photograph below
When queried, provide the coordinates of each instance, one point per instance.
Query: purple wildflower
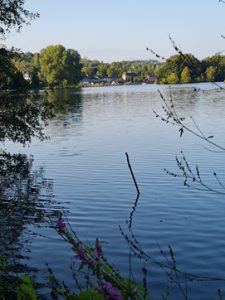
(98, 249)
(106, 285)
(81, 256)
(108, 292)
(61, 225)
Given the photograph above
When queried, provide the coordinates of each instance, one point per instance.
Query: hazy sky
(122, 29)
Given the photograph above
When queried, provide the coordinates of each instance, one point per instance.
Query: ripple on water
(86, 159)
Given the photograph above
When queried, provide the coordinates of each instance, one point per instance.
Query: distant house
(90, 79)
(95, 81)
(112, 78)
(107, 79)
(127, 76)
(27, 75)
(100, 78)
(114, 82)
(152, 77)
(85, 80)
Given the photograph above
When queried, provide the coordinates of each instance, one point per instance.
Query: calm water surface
(86, 160)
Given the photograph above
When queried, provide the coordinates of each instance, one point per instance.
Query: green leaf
(2, 266)
(33, 295)
(87, 247)
(4, 262)
(120, 277)
(129, 280)
(22, 290)
(85, 295)
(61, 291)
(28, 280)
(23, 287)
(50, 277)
(107, 269)
(97, 297)
(80, 267)
(140, 288)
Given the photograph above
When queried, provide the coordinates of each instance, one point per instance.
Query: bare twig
(135, 182)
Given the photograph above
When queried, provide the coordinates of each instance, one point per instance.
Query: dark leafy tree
(28, 56)
(22, 114)
(34, 77)
(176, 65)
(13, 15)
(217, 62)
(59, 64)
(73, 67)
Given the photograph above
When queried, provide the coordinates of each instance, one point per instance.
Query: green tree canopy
(27, 56)
(13, 15)
(210, 73)
(173, 78)
(185, 76)
(176, 64)
(21, 65)
(53, 63)
(73, 67)
(218, 62)
(111, 72)
(35, 61)
(58, 64)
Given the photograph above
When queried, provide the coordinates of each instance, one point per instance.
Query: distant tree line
(141, 68)
(58, 66)
(186, 68)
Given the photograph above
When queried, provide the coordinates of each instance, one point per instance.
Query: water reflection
(72, 106)
(66, 101)
(26, 198)
(68, 107)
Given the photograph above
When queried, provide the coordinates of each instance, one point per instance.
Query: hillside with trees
(142, 68)
(58, 66)
(186, 68)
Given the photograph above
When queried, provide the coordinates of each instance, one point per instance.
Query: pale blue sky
(121, 29)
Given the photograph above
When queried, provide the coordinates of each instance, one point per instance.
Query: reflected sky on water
(85, 158)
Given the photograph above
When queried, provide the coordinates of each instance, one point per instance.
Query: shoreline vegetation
(58, 67)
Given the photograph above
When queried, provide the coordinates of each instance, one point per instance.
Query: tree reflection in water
(25, 196)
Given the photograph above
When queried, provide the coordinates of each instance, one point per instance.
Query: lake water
(85, 159)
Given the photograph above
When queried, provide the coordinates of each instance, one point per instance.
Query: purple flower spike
(61, 225)
(108, 292)
(81, 256)
(98, 249)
